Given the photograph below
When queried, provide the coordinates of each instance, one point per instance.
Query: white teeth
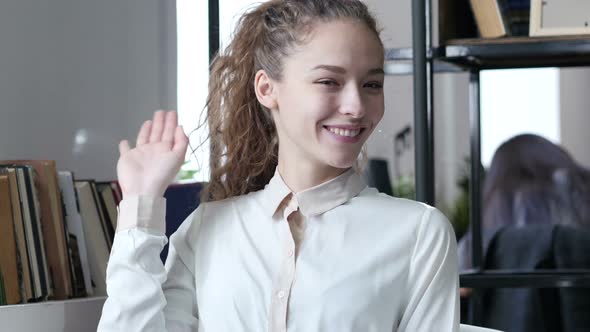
(345, 132)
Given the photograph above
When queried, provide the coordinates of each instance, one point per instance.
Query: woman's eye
(374, 85)
(328, 83)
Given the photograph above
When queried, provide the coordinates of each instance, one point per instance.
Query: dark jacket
(538, 247)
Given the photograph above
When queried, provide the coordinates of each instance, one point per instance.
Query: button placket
(284, 281)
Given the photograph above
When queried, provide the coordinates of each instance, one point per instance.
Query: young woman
(290, 238)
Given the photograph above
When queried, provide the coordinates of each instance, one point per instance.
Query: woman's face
(330, 97)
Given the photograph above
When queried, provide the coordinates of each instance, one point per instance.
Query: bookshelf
(517, 52)
(463, 55)
(460, 51)
(68, 316)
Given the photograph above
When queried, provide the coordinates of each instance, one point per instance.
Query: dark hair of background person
(531, 181)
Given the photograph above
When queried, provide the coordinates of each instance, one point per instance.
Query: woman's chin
(342, 161)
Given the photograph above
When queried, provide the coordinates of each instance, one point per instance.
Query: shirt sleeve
(432, 300)
(143, 294)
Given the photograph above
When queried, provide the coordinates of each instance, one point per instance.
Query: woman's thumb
(124, 147)
(180, 140)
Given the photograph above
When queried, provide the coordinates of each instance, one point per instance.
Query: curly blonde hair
(243, 137)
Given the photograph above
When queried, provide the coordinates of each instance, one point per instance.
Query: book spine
(29, 237)
(2, 292)
(44, 273)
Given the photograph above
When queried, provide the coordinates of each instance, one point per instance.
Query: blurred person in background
(530, 181)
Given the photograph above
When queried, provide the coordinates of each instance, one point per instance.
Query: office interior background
(78, 76)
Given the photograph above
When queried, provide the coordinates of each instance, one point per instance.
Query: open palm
(151, 166)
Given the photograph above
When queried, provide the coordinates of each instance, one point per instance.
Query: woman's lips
(345, 133)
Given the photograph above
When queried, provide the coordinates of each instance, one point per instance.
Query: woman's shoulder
(205, 211)
(404, 211)
(371, 198)
(219, 209)
(226, 209)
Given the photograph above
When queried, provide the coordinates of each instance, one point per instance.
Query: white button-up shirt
(364, 261)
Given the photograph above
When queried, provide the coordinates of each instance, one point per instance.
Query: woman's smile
(345, 133)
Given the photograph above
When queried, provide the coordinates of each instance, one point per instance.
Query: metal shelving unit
(531, 279)
(517, 52)
(471, 56)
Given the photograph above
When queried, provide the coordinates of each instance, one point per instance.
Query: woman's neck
(300, 175)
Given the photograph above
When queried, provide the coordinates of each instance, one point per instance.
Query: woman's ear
(265, 90)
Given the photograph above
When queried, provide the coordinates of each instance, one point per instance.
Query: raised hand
(151, 166)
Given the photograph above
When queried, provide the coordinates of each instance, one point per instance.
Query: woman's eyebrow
(376, 71)
(340, 70)
(335, 69)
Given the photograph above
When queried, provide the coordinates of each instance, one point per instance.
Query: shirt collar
(315, 200)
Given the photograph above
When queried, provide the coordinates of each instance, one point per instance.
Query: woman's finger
(124, 147)
(144, 133)
(157, 127)
(169, 127)
(180, 140)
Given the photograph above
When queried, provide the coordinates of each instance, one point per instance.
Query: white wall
(510, 98)
(85, 68)
(575, 113)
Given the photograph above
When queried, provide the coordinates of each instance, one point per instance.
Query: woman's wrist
(142, 211)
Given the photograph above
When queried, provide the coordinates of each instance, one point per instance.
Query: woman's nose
(352, 102)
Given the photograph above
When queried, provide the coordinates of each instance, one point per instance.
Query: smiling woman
(342, 79)
(289, 238)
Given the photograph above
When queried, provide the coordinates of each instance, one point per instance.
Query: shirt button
(281, 294)
(291, 252)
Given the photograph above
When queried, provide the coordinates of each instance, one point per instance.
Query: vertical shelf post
(213, 9)
(423, 114)
(475, 170)
(475, 190)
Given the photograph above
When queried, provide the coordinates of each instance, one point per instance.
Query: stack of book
(500, 18)
(519, 13)
(56, 232)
